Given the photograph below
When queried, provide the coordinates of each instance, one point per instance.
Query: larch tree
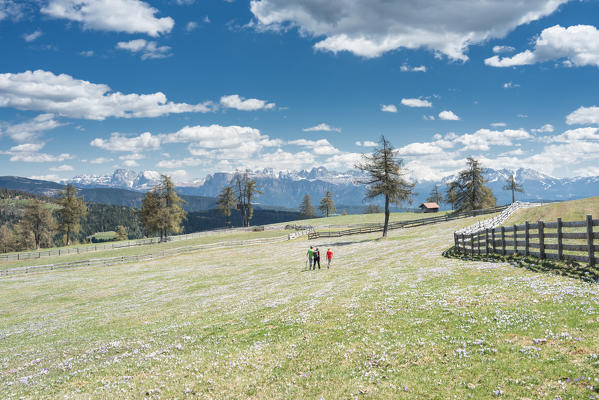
(246, 190)
(327, 205)
(470, 189)
(451, 194)
(386, 176)
(161, 210)
(435, 196)
(38, 219)
(72, 210)
(306, 209)
(121, 233)
(226, 202)
(8, 241)
(513, 186)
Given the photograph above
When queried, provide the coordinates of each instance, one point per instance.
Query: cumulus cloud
(407, 68)
(416, 103)
(547, 128)
(33, 157)
(191, 26)
(418, 149)
(117, 142)
(584, 116)
(578, 45)
(319, 147)
(11, 9)
(370, 28)
(389, 108)
(503, 49)
(322, 128)
(509, 85)
(62, 168)
(448, 116)
(29, 130)
(239, 103)
(147, 49)
(69, 97)
(101, 160)
(130, 16)
(366, 143)
(30, 37)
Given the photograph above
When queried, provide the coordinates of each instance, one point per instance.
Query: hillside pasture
(391, 319)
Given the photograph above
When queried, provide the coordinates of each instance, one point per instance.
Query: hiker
(329, 257)
(316, 258)
(310, 255)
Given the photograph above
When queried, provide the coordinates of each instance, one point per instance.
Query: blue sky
(193, 87)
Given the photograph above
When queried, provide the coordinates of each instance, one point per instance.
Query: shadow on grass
(570, 269)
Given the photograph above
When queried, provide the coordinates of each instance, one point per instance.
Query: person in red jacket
(329, 257)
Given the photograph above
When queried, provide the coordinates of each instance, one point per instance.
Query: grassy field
(574, 210)
(378, 218)
(146, 249)
(390, 319)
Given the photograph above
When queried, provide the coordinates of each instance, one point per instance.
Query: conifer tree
(386, 176)
(71, 212)
(226, 202)
(161, 209)
(511, 184)
(451, 194)
(327, 205)
(306, 209)
(38, 219)
(121, 233)
(246, 191)
(435, 196)
(471, 192)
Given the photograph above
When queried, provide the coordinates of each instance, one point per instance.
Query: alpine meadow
(269, 199)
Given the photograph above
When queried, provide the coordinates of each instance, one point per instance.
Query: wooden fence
(104, 262)
(560, 240)
(368, 228)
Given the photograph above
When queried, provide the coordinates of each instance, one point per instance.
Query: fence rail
(369, 228)
(110, 246)
(545, 240)
(110, 261)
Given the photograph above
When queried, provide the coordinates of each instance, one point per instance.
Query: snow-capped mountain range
(287, 188)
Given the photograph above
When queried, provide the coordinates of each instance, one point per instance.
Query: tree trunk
(513, 196)
(386, 216)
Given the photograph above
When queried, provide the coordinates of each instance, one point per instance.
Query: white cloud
(86, 53)
(407, 68)
(239, 103)
(64, 95)
(418, 149)
(185, 162)
(342, 161)
(132, 156)
(30, 37)
(578, 45)
(389, 108)
(544, 129)
(367, 143)
(498, 124)
(130, 163)
(573, 135)
(130, 16)
(584, 116)
(448, 116)
(11, 9)
(135, 144)
(483, 139)
(29, 130)
(416, 103)
(27, 148)
(39, 157)
(369, 28)
(428, 117)
(509, 85)
(50, 177)
(503, 49)
(101, 160)
(191, 26)
(319, 147)
(147, 49)
(62, 168)
(322, 128)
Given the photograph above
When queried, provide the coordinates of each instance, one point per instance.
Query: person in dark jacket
(317, 258)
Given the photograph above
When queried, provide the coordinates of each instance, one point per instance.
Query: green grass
(146, 249)
(104, 236)
(391, 319)
(574, 210)
(378, 218)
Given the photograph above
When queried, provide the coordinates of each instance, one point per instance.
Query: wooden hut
(429, 207)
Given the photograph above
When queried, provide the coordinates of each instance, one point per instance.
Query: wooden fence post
(493, 239)
(486, 241)
(560, 243)
(590, 240)
(478, 242)
(541, 240)
(527, 239)
(464, 243)
(455, 241)
(503, 240)
(472, 243)
(515, 239)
